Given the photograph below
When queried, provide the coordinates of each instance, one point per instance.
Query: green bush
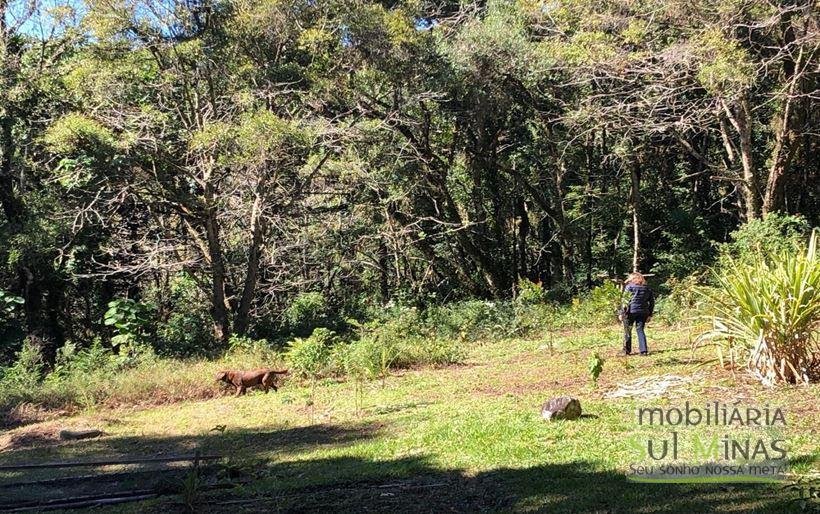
(406, 337)
(536, 318)
(243, 348)
(370, 358)
(765, 310)
(309, 357)
(91, 360)
(469, 320)
(772, 235)
(431, 351)
(186, 334)
(9, 304)
(530, 293)
(682, 300)
(26, 371)
(597, 307)
(306, 312)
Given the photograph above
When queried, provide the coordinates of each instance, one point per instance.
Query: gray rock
(562, 407)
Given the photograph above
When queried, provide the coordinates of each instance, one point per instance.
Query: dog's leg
(240, 390)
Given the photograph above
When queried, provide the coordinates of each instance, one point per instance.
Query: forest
(209, 169)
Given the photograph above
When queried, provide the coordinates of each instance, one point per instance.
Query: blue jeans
(639, 320)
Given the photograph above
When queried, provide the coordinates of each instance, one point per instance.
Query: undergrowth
(395, 337)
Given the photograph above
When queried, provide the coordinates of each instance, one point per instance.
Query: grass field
(461, 438)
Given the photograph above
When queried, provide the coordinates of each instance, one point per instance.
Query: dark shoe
(644, 354)
(625, 353)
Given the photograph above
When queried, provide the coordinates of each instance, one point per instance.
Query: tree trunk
(219, 311)
(786, 138)
(635, 200)
(249, 289)
(523, 225)
(741, 120)
(41, 307)
(564, 237)
(12, 207)
(384, 267)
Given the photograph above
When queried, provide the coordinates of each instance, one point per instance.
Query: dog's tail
(282, 372)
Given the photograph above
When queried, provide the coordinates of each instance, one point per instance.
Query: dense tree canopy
(216, 159)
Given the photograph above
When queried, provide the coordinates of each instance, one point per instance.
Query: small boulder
(562, 407)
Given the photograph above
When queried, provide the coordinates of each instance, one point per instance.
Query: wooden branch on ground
(113, 462)
(86, 501)
(86, 504)
(96, 476)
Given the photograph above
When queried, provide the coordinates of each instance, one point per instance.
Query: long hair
(635, 278)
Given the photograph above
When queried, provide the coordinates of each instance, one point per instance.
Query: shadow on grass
(408, 484)
(412, 485)
(228, 443)
(245, 452)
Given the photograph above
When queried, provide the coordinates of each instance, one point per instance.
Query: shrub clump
(305, 313)
(774, 234)
(766, 311)
(309, 357)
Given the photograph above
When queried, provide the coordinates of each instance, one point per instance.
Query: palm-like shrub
(767, 311)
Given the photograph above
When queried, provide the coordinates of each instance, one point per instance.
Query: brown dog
(242, 380)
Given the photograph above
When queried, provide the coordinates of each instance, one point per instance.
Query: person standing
(638, 311)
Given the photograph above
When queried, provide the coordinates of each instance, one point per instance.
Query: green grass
(457, 438)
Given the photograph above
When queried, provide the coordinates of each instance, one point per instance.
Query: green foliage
(773, 234)
(310, 357)
(190, 489)
(95, 359)
(497, 40)
(131, 319)
(305, 313)
(127, 316)
(238, 343)
(766, 311)
(598, 307)
(725, 67)
(370, 357)
(470, 320)
(9, 304)
(406, 337)
(26, 371)
(186, 333)
(187, 328)
(257, 350)
(682, 249)
(77, 133)
(682, 300)
(437, 351)
(530, 293)
(595, 366)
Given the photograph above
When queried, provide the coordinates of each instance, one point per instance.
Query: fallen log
(70, 435)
